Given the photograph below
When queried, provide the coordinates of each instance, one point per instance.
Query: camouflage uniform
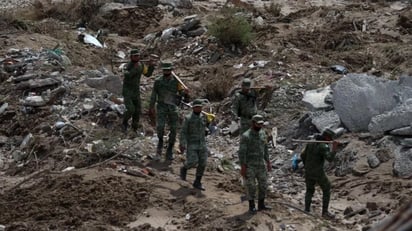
(313, 157)
(254, 161)
(166, 93)
(244, 106)
(193, 137)
(131, 90)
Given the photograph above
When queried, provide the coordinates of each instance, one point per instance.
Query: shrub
(232, 29)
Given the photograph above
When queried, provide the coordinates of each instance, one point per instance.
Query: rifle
(209, 116)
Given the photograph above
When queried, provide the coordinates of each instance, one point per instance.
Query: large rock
(373, 161)
(359, 97)
(345, 160)
(323, 120)
(399, 117)
(316, 99)
(402, 165)
(111, 83)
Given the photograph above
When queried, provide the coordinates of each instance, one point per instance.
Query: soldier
(255, 163)
(131, 88)
(192, 138)
(166, 92)
(313, 158)
(244, 105)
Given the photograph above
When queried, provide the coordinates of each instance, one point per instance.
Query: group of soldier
(253, 149)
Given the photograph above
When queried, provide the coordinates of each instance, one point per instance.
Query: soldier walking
(192, 139)
(313, 158)
(131, 88)
(167, 92)
(255, 163)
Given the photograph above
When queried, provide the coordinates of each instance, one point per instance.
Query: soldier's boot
(252, 208)
(327, 215)
(262, 206)
(183, 172)
(197, 184)
(307, 207)
(169, 153)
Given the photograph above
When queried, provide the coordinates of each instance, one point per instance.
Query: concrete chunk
(359, 97)
(111, 83)
(405, 131)
(399, 117)
(323, 120)
(315, 99)
(402, 165)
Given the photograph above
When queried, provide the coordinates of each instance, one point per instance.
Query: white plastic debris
(90, 39)
(187, 217)
(237, 66)
(260, 63)
(68, 169)
(59, 124)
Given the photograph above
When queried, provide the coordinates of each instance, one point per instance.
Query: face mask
(196, 113)
(257, 128)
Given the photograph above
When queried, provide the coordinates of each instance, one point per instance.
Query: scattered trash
(187, 217)
(68, 169)
(260, 63)
(339, 69)
(90, 39)
(3, 107)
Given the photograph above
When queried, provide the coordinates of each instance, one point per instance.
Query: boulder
(402, 165)
(399, 117)
(315, 99)
(323, 120)
(359, 97)
(383, 155)
(345, 159)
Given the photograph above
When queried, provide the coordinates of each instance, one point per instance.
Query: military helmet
(197, 103)
(246, 82)
(134, 52)
(328, 132)
(167, 65)
(258, 119)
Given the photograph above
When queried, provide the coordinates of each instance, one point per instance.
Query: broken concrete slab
(399, 117)
(34, 101)
(38, 83)
(405, 131)
(111, 83)
(315, 99)
(359, 97)
(323, 120)
(402, 165)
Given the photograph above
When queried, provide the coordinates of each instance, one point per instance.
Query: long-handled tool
(209, 116)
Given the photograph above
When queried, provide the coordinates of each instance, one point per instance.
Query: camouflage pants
(196, 156)
(253, 174)
(133, 109)
(324, 184)
(245, 124)
(166, 113)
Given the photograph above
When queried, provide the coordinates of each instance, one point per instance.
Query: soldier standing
(255, 163)
(313, 157)
(131, 88)
(192, 138)
(244, 105)
(166, 92)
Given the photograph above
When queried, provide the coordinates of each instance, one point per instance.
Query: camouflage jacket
(244, 105)
(132, 75)
(193, 130)
(166, 91)
(253, 149)
(314, 156)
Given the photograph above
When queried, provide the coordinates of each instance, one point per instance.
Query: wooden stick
(312, 141)
(179, 80)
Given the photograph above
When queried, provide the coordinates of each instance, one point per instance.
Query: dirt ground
(107, 190)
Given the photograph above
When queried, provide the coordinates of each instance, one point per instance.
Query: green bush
(232, 29)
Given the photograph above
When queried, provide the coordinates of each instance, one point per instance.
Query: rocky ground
(66, 165)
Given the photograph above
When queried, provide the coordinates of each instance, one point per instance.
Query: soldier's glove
(335, 145)
(182, 148)
(243, 170)
(269, 166)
